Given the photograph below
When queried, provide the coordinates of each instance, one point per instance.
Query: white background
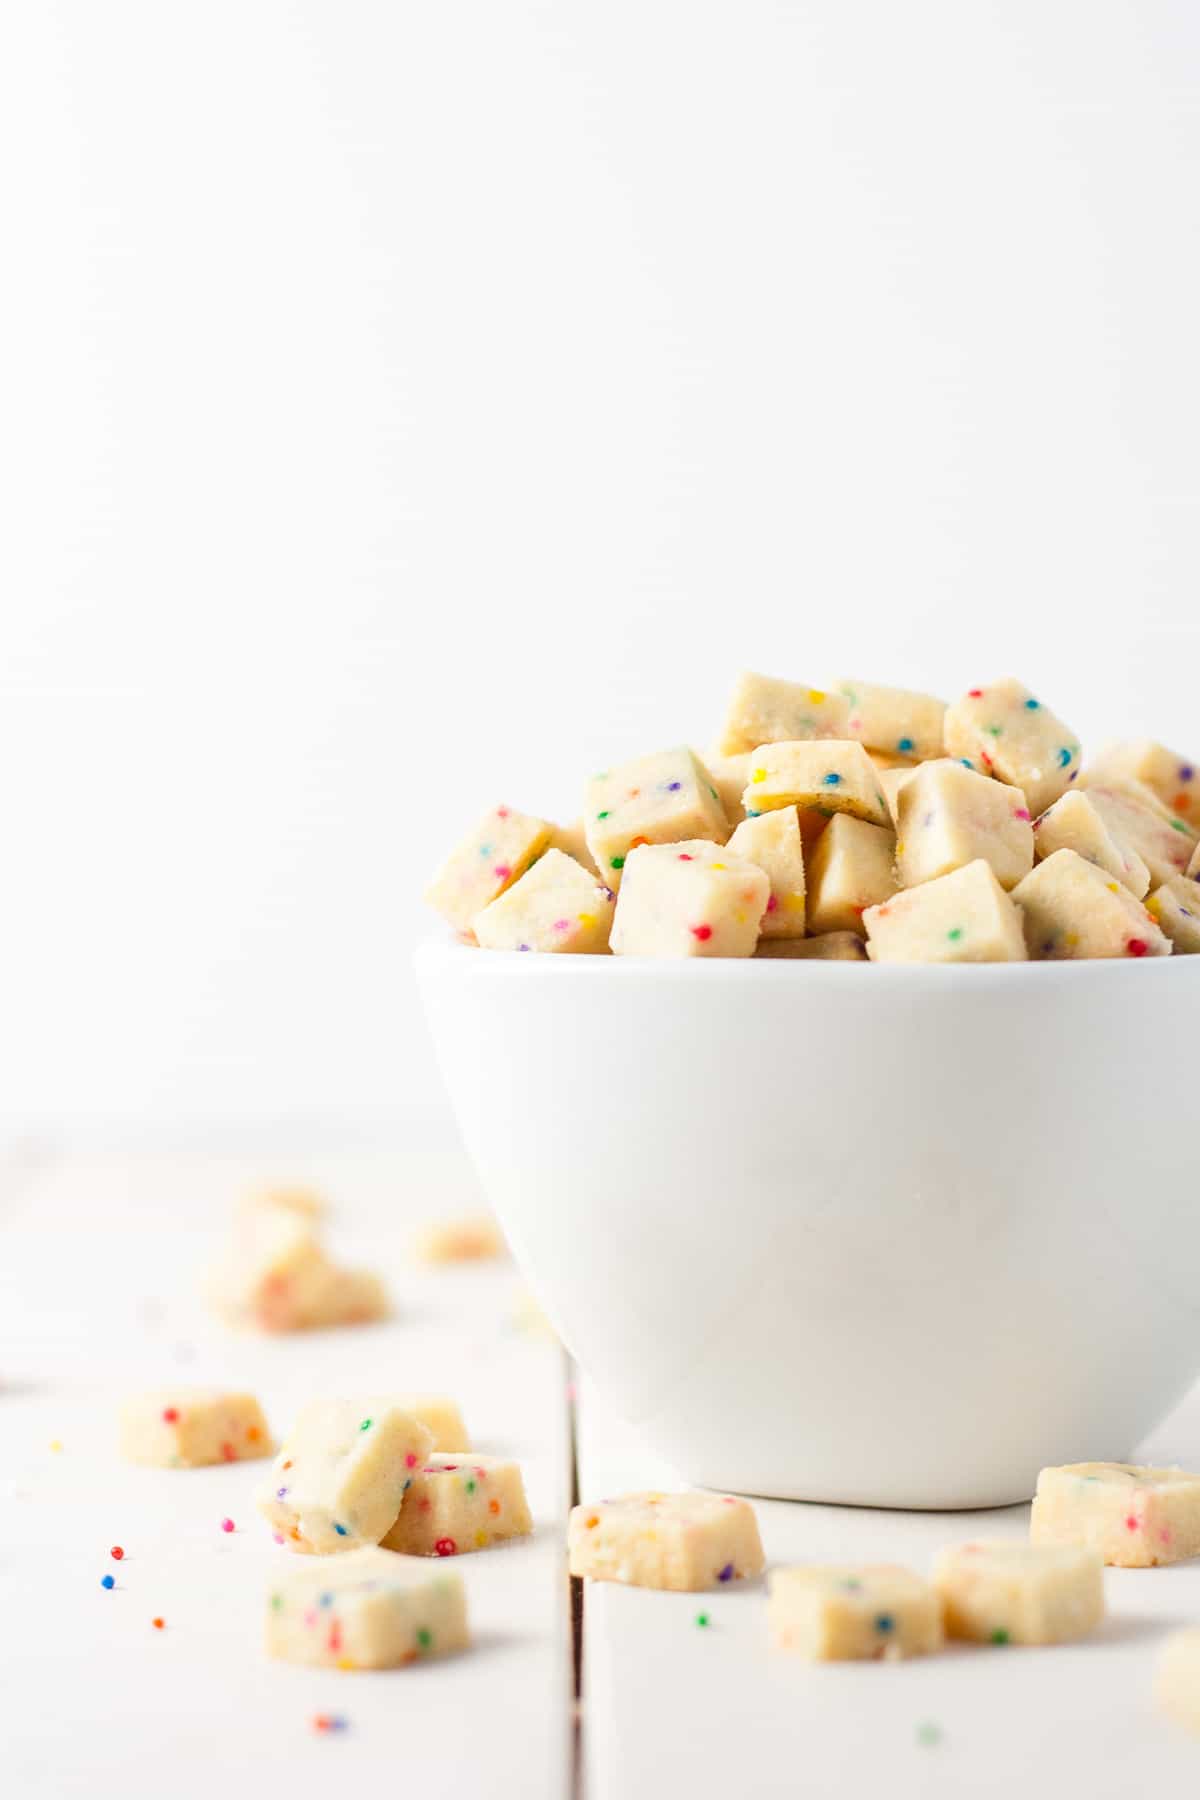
(405, 406)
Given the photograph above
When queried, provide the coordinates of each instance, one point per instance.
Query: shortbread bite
(1171, 777)
(1005, 732)
(454, 1506)
(851, 867)
(475, 1238)
(1175, 906)
(441, 1416)
(774, 845)
(190, 1428)
(1073, 910)
(853, 1612)
(827, 946)
(664, 798)
(948, 816)
(1073, 823)
(370, 1610)
(556, 906)
(764, 710)
(820, 778)
(1177, 1682)
(1133, 1517)
(689, 899)
(957, 918)
(1000, 1592)
(894, 721)
(684, 1542)
(1138, 819)
(730, 775)
(497, 852)
(339, 1479)
(276, 1276)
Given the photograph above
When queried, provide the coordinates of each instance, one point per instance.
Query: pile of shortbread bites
(857, 822)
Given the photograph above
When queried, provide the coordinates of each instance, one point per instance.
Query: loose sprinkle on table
(329, 1722)
(227, 1525)
(158, 1624)
(116, 1553)
(703, 1620)
(108, 1581)
(928, 1733)
(55, 1444)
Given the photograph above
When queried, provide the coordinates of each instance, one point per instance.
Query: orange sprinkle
(493, 1507)
(158, 1624)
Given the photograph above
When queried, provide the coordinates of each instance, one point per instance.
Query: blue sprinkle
(751, 814)
(406, 1486)
(831, 780)
(326, 1600)
(673, 787)
(106, 1581)
(884, 1622)
(904, 746)
(341, 1530)
(1032, 705)
(1064, 757)
(966, 762)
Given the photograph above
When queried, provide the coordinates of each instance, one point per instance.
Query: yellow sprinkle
(816, 696)
(758, 774)
(718, 865)
(481, 1539)
(739, 918)
(795, 901)
(345, 1662)
(587, 918)
(1111, 886)
(899, 849)
(55, 1444)
(1072, 939)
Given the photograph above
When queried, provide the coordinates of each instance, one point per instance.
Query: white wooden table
(99, 1259)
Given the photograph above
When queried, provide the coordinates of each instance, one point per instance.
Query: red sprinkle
(171, 1415)
(1022, 812)
(974, 693)
(772, 903)
(502, 871)
(703, 932)
(228, 1452)
(446, 1547)
(227, 1525)
(1137, 946)
(1131, 1523)
(116, 1553)
(684, 856)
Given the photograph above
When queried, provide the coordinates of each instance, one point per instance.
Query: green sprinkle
(424, 1638)
(714, 793)
(366, 1425)
(703, 1621)
(928, 1733)
(616, 862)
(999, 1636)
(470, 1486)
(1178, 825)
(276, 1602)
(604, 814)
(955, 934)
(996, 730)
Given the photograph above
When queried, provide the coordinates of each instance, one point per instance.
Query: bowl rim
(448, 950)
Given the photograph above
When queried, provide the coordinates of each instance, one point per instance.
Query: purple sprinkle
(280, 1492)
(928, 819)
(726, 1574)
(608, 893)
(1187, 772)
(673, 787)
(522, 946)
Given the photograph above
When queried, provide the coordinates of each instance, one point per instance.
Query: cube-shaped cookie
(827, 946)
(276, 1276)
(1177, 1680)
(963, 917)
(820, 778)
(895, 721)
(774, 845)
(189, 1428)
(441, 1417)
(763, 710)
(665, 798)
(689, 899)
(369, 1610)
(1001, 1592)
(1073, 909)
(685, 1542)
(1133, 1517)
(455, 1506)
(948, 816)
(1004, 731)
(1175, 906)
(339, 1479)
(853, 1612)
(852, 866)
(1073, 823)
(730, 775)
(500, 849)
(1139, 821)
(1173, 778)
(556, 906)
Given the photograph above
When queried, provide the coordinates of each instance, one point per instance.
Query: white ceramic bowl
(894, 1236)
